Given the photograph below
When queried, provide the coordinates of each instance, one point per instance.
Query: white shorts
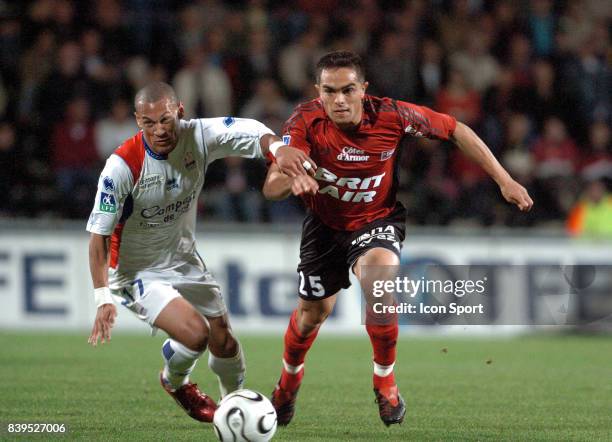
(151, 290)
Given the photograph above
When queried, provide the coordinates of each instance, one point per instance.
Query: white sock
(179, 362)
(230, 371)
(292, 369)
(383, 370)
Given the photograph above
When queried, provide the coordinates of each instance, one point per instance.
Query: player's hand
(105, 319)
(294, 162)
(304, 184)
(516, 194)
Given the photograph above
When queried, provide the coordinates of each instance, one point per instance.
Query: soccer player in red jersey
(354, 219)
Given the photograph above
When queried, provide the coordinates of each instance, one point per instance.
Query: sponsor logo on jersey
(352, 154)
(172, 183)
(170, 212)
(353, 190)
(384, 156)
(228, 121)
(150, 181)
(107, 203)
(412, 131)
(379, 233)
(108, 184)
(189, 161)
(287, 139)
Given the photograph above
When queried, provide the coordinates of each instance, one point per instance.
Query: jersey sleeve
(421, 121)
(295, 132)
(224, 137)
(114, 186)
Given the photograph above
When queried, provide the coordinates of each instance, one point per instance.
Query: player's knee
(312, 319)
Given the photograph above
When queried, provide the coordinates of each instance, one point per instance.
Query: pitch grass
(529, 388)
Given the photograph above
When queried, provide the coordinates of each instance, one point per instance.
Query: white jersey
(147, 203)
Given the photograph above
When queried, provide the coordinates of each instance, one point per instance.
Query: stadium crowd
(532, 77)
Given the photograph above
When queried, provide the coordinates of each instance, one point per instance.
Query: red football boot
(391, 406)
(189, 397)
(283, 399)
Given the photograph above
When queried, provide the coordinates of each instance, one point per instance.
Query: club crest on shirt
(287, 139)
(150, 181)
(189, 161)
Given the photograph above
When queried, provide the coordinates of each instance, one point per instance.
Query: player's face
(160, 121)
(341, 92)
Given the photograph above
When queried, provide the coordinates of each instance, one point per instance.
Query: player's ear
(365, 85)
(181, 110)
(137, 120)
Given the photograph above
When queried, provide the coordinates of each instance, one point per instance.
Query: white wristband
(102, 295)
(274, 147)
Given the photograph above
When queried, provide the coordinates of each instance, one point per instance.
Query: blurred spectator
(477, 65)
(74, 158)
(555, 153)
(36, 64)
(597, 164)
(431, 71)
(204, 88)
(542, 24)
(458, 100)
(112, 131)
(540, 100)
(234, 190)
(556, 157)
(519, 59)
(66, 81)
(267, 105)
(391, 70)
(592, 215)
(296, 66)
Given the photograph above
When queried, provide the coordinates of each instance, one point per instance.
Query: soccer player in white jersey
(142, 249)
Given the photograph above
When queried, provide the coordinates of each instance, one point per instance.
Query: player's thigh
(222, 342)
(202, 291)
(184, 324)
(156, 302)
(323, 269)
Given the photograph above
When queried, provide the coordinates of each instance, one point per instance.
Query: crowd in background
(532, 78)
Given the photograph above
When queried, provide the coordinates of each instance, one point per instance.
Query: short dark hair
(341, 59)
(154, 92)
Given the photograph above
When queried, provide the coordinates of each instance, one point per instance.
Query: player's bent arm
(470, 143)
(98, 259)
(277, 185)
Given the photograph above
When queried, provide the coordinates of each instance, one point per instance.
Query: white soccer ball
(244, 416)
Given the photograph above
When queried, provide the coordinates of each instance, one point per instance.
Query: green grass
(532, 388)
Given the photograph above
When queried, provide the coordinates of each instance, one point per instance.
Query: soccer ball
(244, 416)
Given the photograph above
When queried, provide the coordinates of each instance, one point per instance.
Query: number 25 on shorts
(315, 287)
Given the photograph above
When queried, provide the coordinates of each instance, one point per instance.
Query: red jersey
(357, 168)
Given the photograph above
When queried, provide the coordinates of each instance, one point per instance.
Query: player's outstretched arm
(106, 313)
(279, 186)
(291, 161)
(470, 143)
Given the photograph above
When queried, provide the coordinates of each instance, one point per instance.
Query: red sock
(384, 341)
(296, 347)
